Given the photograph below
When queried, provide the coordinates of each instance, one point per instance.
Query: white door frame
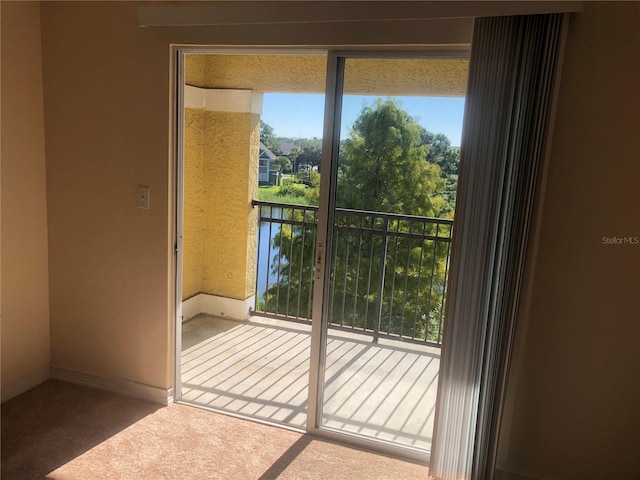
(331, 138)
(177, 56)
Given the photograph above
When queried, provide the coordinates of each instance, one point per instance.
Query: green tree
(267, 136)
(440, 152)
(282, 163)
(311, 154)
(383, 168)
(293, 156)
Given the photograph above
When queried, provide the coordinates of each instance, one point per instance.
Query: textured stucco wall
(307, 74)
(194, 70)
(194, 181)
(434, 77)
(227, 163)
(220, 179)
(252, 220)
(267, 73)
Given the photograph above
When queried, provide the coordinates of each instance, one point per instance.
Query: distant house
(268, 173)
(287, 147)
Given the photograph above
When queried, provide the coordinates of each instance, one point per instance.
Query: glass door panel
(390, 221)
(252, 136)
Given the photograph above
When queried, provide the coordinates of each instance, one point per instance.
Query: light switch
(143, 197)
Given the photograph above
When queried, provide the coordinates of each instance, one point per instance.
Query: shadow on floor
(56, 422)
(287, 457)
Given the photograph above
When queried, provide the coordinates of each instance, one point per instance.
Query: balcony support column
(222, 142)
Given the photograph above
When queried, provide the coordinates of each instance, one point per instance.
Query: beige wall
(576, 388)
(108, 123)
(106, 85)
(25, 276)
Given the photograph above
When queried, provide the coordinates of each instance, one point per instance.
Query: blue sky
(301, 115)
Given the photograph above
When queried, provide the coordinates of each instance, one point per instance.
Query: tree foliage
(384, 168)
(282, 163)
(310, 157)
(383, 165)
(440, 152)
(267, 136)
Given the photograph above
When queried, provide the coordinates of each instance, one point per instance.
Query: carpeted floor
(67, 432)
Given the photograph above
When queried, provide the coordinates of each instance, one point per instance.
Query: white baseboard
(231, 308)
(24, 383)
(191, 307)
(163, 396)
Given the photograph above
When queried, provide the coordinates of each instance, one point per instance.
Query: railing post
(273, 222)
(383, 257)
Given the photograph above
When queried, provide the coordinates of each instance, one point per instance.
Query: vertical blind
(513, 68)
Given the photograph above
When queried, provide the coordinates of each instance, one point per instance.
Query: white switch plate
(143, 197)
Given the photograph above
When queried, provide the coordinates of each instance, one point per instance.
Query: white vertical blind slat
(512, 68)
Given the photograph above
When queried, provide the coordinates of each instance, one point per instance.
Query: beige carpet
(64, 432)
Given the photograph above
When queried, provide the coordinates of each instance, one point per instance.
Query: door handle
(318, 263)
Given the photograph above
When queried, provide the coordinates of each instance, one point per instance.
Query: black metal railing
(388, 272)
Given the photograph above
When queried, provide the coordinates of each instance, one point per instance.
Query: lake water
(266, 257)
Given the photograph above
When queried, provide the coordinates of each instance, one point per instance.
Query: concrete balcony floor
(260, 369)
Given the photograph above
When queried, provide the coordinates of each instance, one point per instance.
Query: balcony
(386, 301)
(388, 271)
(260, 369)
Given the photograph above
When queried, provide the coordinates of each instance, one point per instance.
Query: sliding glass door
(335, 284)
(382, 259)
